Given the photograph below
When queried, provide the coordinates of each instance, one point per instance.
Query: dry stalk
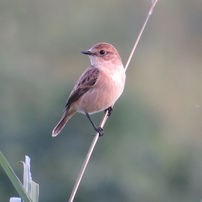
(105, 117)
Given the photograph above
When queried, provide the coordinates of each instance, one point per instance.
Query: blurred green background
(152, 147)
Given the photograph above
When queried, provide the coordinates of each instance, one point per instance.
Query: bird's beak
(87, 52)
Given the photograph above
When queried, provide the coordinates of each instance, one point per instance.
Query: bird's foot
(100, 131)
(109, 110)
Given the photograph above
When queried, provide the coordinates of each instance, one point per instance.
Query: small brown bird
(98, 88)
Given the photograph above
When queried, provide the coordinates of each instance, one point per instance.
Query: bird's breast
(105, 92)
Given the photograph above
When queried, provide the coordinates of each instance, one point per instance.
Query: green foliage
(31, 187)
(29, 191)
(14, 179)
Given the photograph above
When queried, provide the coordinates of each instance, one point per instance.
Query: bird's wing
(87, 80)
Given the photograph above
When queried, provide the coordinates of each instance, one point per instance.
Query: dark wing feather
(86, 81)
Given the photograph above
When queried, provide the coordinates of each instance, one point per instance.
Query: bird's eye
(102, 52)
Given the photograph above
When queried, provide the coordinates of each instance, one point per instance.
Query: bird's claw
(100, 131)
(109, 110)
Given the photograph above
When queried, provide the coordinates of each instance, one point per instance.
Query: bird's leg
(110, 109)
(97, 129)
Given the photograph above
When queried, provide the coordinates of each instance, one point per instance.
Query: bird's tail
(65, 118)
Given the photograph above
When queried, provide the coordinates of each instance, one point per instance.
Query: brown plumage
(98, 87)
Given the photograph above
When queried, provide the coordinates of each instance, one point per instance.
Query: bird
(98, 88)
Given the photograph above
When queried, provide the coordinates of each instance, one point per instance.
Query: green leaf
(14, 179)
(30, 186)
